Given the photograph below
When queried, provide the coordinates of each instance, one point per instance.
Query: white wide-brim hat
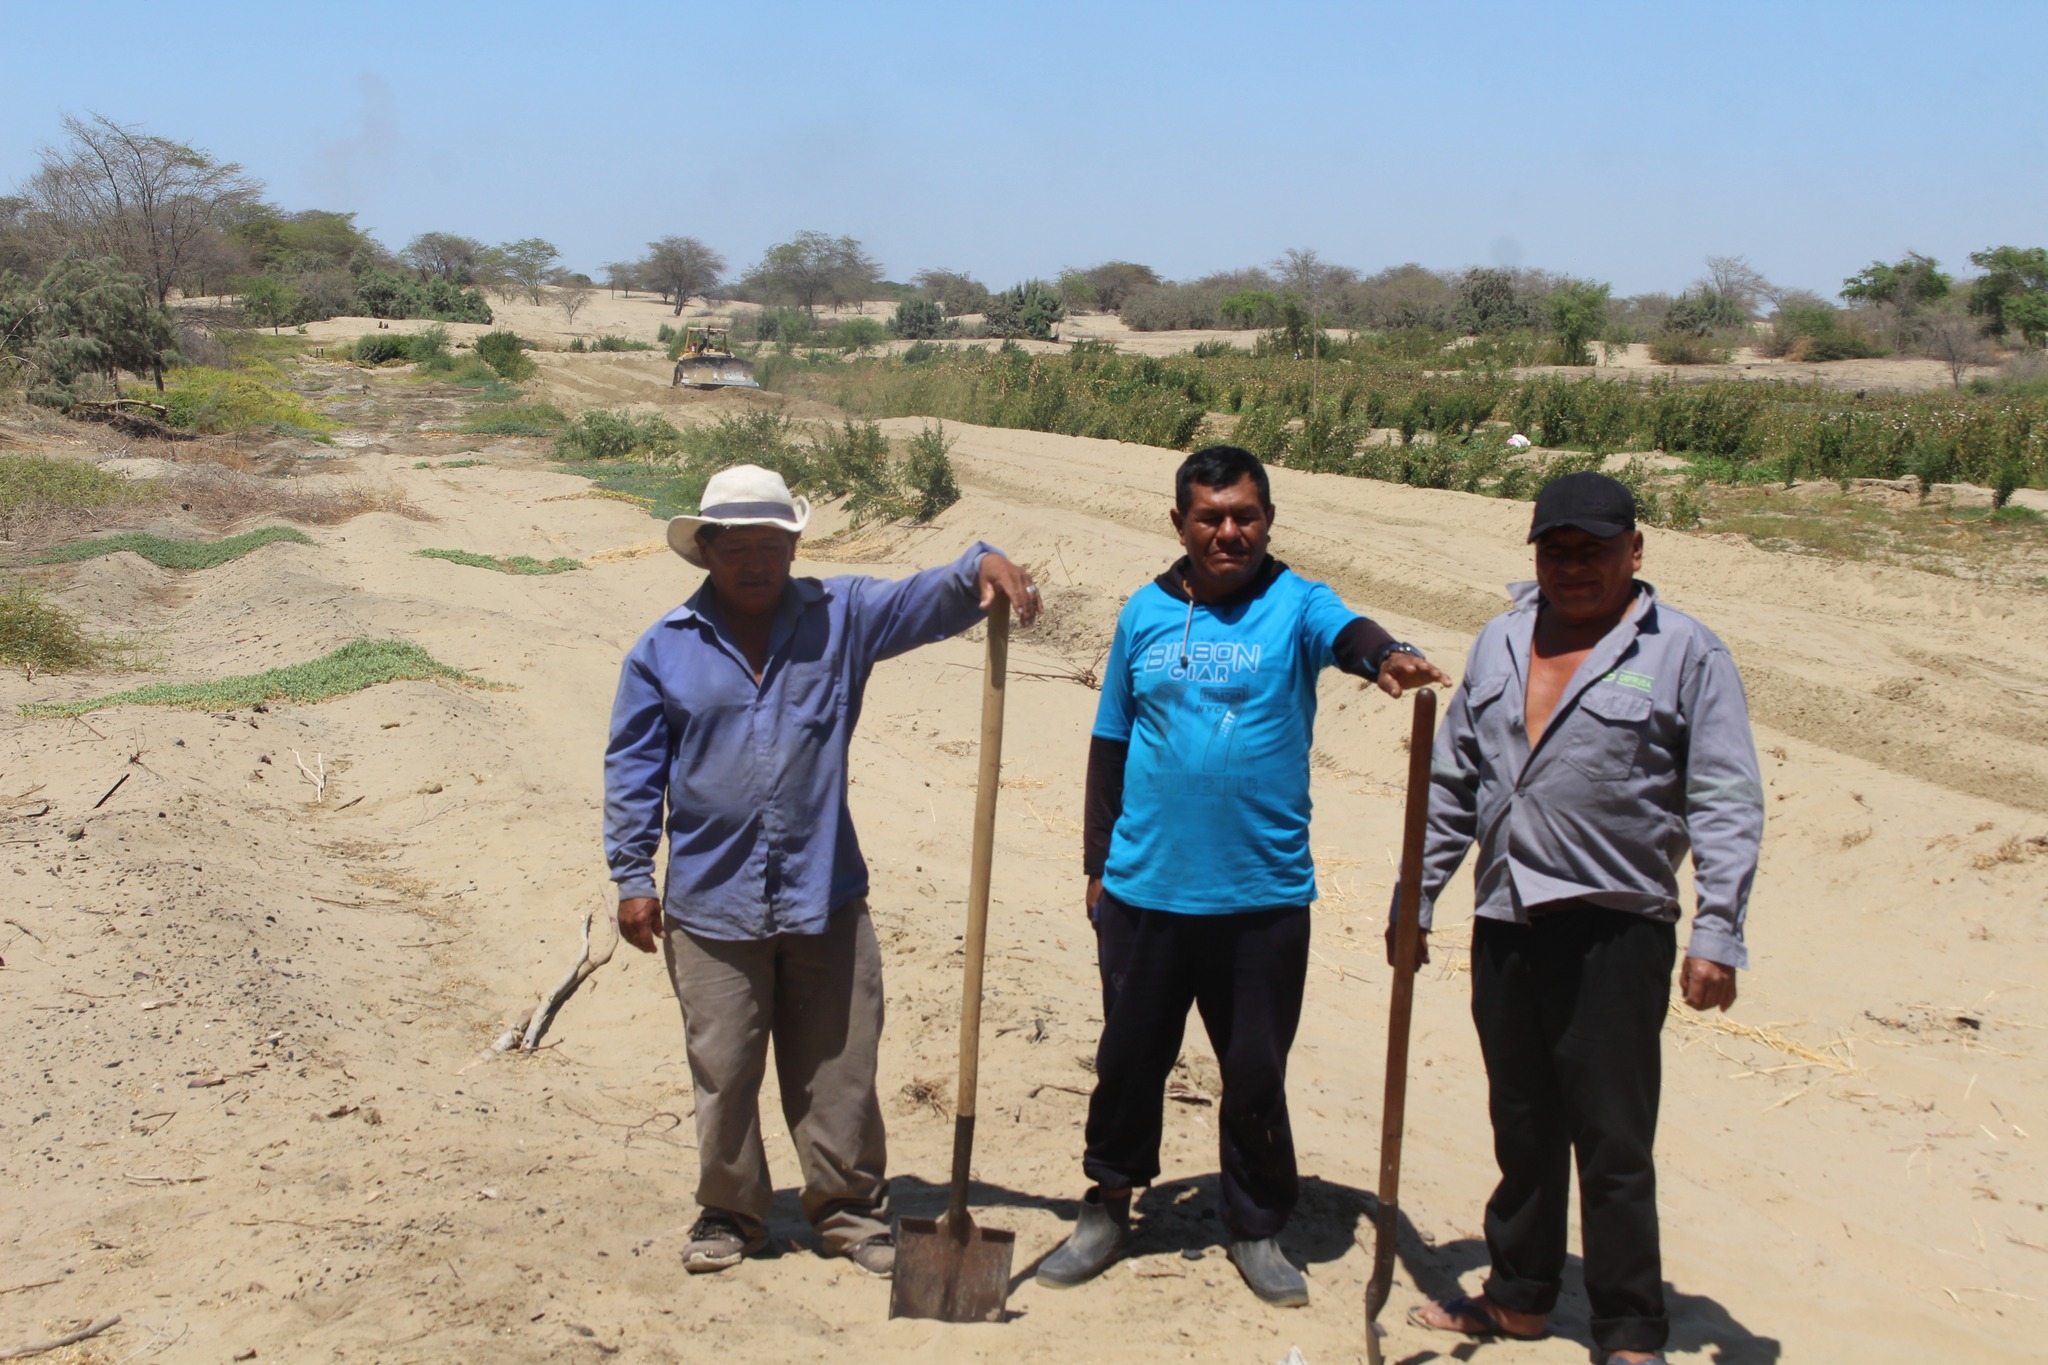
(744, 495)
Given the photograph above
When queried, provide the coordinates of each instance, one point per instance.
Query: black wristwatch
(1390, 649)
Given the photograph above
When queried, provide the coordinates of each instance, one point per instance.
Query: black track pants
(1245, 973)
(1569, 1009)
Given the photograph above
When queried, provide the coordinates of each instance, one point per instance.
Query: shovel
(1407, 929)
(948, 1268)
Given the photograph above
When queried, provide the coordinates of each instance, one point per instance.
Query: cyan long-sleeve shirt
(1647, 757)
(753, 776)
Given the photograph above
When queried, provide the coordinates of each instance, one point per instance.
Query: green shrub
(1026, 310)
(428, 346)
(1689, 348)
(858, 335)
(609, 342)
(514, 564)
(601, 435)
(918, 352)
(665, 334)
(928, 474)
(505, 352)
(37, 637)
(919, 319)
(175, 554)
(355, 666)
(217, 401)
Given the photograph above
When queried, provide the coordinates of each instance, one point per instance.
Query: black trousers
(1569, 1009)
(1245, 973)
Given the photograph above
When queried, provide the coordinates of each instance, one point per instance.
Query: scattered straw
(1833, 1059)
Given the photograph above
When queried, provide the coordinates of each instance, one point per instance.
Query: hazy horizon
(1615, 142)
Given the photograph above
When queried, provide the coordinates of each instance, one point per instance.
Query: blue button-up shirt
(754, 774)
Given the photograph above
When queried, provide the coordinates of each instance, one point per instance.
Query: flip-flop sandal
(1470, 1309)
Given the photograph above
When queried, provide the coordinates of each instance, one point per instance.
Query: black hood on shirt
(1174, 582)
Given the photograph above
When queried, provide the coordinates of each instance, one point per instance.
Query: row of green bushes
(1292, 414)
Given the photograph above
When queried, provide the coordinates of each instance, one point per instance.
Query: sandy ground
(251, 1103)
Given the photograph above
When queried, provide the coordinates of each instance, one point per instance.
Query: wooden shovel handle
(1407, 930)
(987, 784)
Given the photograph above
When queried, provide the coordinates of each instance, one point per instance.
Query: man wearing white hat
(733, 715)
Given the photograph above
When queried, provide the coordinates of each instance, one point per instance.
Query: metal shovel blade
(951, 1272)
(714, 372)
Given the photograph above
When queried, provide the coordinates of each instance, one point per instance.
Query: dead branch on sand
(319, 779)
(36, 1348)
(525, 1034)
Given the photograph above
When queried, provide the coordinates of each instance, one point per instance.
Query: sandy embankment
(366, 1182)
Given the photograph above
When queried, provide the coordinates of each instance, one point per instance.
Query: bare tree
(1316, 280)
(1739, 282)
(570, 296)
(146, 201)
(679, 267)
(1956, 339)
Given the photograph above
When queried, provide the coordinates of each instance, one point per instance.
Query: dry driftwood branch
(36, 1348)
(536, 1024)
(319, 779)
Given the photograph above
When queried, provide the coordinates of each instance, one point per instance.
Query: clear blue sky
(1620, 141)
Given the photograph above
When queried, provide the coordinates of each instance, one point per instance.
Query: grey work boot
(1097, 1240)
(1269, 1273)
(717, 1243)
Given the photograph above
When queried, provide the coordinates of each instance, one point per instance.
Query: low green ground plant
(519, 419)
(355, 666)
(448, 464)
(513, 564)
(34, 486)
(174, 554)
(39, 637)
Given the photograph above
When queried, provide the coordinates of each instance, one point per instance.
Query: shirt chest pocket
(1604, 743)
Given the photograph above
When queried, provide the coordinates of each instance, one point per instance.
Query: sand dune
(251, 1101)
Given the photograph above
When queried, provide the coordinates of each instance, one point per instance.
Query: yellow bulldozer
(705, 360)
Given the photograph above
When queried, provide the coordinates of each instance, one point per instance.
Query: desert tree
(114, 191)
(1906, 284)
(520, 267)
(571, 294)
(2013, 291)
(1733, 278)
(1115, 281)
(443, 256)
(1076, 293)
(88, 318)
(679, 267)
(1315, 281)
(1948, 333)
(622, 277)
(1488, 301)
(954, 291)
(813, 268)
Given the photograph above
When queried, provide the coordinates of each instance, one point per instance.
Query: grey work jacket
(1648, 755)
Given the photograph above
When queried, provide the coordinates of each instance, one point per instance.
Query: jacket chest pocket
(1605, 744)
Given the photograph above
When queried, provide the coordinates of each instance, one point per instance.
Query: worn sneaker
(716, 1243)
(876, 1255)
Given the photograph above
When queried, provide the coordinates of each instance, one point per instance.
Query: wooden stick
(38, 1347)
(987, 786)
(1407, 930)
(536, 1024)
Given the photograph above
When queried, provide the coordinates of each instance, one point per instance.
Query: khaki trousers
(818, 999)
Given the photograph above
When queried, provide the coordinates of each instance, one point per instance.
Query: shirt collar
(1527, 595)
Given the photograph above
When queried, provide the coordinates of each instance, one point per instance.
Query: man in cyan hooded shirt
(1197, 857)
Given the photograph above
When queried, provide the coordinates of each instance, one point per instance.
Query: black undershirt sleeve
(1362, 647)
(1104, 802)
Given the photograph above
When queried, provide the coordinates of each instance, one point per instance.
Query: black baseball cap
(1594, 503)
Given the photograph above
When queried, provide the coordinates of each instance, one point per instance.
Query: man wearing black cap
(1597, 737)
